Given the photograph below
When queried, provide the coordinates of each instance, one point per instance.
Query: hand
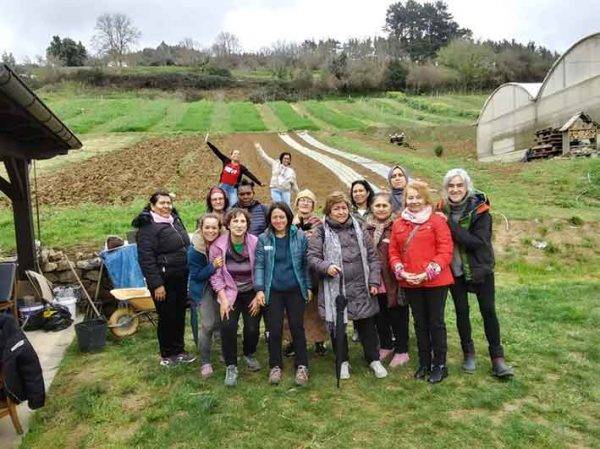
(373, 290)
(224, 310)
(398, 271)
(160, 293)
(260, 297)
(310, 295)
(333, 270)
(416, 279)
(218, 262)
(254, 306)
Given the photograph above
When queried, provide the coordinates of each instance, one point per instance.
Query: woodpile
(548, 144)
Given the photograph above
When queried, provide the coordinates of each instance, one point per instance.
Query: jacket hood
(198, 242)
(144, 218)
(477, 202)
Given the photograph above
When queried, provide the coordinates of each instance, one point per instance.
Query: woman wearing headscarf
(468, 212)
(397, 179)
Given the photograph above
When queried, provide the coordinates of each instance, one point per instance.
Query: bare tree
(115, 34)
(226, 44)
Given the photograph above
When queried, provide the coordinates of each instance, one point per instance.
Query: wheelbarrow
(133, 304)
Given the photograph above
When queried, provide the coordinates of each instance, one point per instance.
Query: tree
(475, 63)
(67, 52)
(115, 34)
(8, 59)
(422, 29)
(226, 44)
(395, 75)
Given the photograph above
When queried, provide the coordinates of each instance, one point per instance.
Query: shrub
(438, 150)
(576, 221)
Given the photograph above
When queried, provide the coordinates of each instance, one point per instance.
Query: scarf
(160, 219)
(379, 229)
(397, 195)
(332, 252)
(419, 217)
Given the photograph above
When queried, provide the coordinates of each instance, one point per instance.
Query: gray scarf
(332, 252)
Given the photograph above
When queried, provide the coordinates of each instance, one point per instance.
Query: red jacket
(431, 243)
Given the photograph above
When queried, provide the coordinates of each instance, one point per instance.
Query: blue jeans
(231, 192)
(281, 195)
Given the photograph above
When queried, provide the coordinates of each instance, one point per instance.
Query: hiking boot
(320, 348)
(301, 378)
(500, 369)
(184, 357)
(252, 363)
(438, 373)
(345, 371)
(399, 359)
(206, 370)
(384, 354)
(422, 372)
(289, 350)
(167, 361)
(231, 375)
(378, 369)
(469, 365)
(275, 375)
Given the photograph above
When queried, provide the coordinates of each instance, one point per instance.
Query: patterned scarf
(380, 227)
(418, 218)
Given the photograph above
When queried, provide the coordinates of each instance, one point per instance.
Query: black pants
(171, 316)
(427, 305)
(367, 333)
(392, 322)
(229, 328)
(485, 292)
(293, 304)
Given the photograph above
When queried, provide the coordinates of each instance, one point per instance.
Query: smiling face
(457, 189)
(382, 209)
(360, 195)
(414, 201)
(305, 206)
(398, 180)
(210, 229)
(279, 220)
(245, 195)
(235, 156)
(217, 201)
(286, 160)
(339, 212)
(238, 226)
(163, 206)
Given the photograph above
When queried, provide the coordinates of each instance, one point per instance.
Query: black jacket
(162, 248)
(23, 380)
(473, 235)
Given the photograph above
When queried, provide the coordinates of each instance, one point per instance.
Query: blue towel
(123, 267)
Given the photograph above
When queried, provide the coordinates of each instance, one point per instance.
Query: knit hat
(306, 194)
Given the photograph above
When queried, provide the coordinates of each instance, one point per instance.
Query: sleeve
(217, 280)
(395, 250)
(315, 253)
(305, 267)
(249, 174)
(294, 182)
(443, 244)
(476, 237)
(372, 260)
(147, 244)
(200, 268)
(259, 266)
(221, 156)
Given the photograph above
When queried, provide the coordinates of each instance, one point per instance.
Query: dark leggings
(427, 305)
(392, 322)
(229, 328)
(367, 332)
(292, 303)
(171, 316)
(485, 293)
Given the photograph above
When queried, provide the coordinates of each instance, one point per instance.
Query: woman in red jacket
(420, 255)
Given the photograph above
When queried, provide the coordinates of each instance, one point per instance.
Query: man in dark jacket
(20, 366)
(258, 211)
(473, 266)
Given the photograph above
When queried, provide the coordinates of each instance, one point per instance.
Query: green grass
(122, 398)
(244, 116)
(336, 119)
(197, 117)
(142, 119)
(290, 118)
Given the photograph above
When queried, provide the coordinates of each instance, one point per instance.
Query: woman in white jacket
(283, 179)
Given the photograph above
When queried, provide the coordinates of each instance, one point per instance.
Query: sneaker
(289, 350)
(438, 373)
(320, 348)
(501, 370)
(275, 375)
(301, 376)
(378, 369)
(399, 360)
(184, 357)
(231, 375)
(167, 361)
(345, 371)
(206, 370)
(469, 365)
(384, 354)
(252, 363)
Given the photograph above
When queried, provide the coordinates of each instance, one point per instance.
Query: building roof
(530, 88)
(580, 115)
(28, 128)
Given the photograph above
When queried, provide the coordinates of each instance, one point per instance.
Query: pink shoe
(399, 360)
(206, 370)
(384, 354)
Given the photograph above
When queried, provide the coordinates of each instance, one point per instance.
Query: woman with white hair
(468, 212)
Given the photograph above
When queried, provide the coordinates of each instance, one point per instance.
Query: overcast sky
(27, 26)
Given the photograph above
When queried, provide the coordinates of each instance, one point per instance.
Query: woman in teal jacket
(282, 284)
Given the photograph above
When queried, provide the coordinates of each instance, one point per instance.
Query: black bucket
(91, 335)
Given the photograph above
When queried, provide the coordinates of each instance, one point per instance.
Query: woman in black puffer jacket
(162, 253)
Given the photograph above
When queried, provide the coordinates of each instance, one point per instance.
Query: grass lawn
(290, 118)
(122, 398)
(322, 111)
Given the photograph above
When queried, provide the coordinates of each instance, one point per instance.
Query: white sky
(27, 26)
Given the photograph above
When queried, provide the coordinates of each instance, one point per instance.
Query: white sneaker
(378, 369)
(345, 371)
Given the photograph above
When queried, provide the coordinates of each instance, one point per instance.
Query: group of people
(385, 253)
